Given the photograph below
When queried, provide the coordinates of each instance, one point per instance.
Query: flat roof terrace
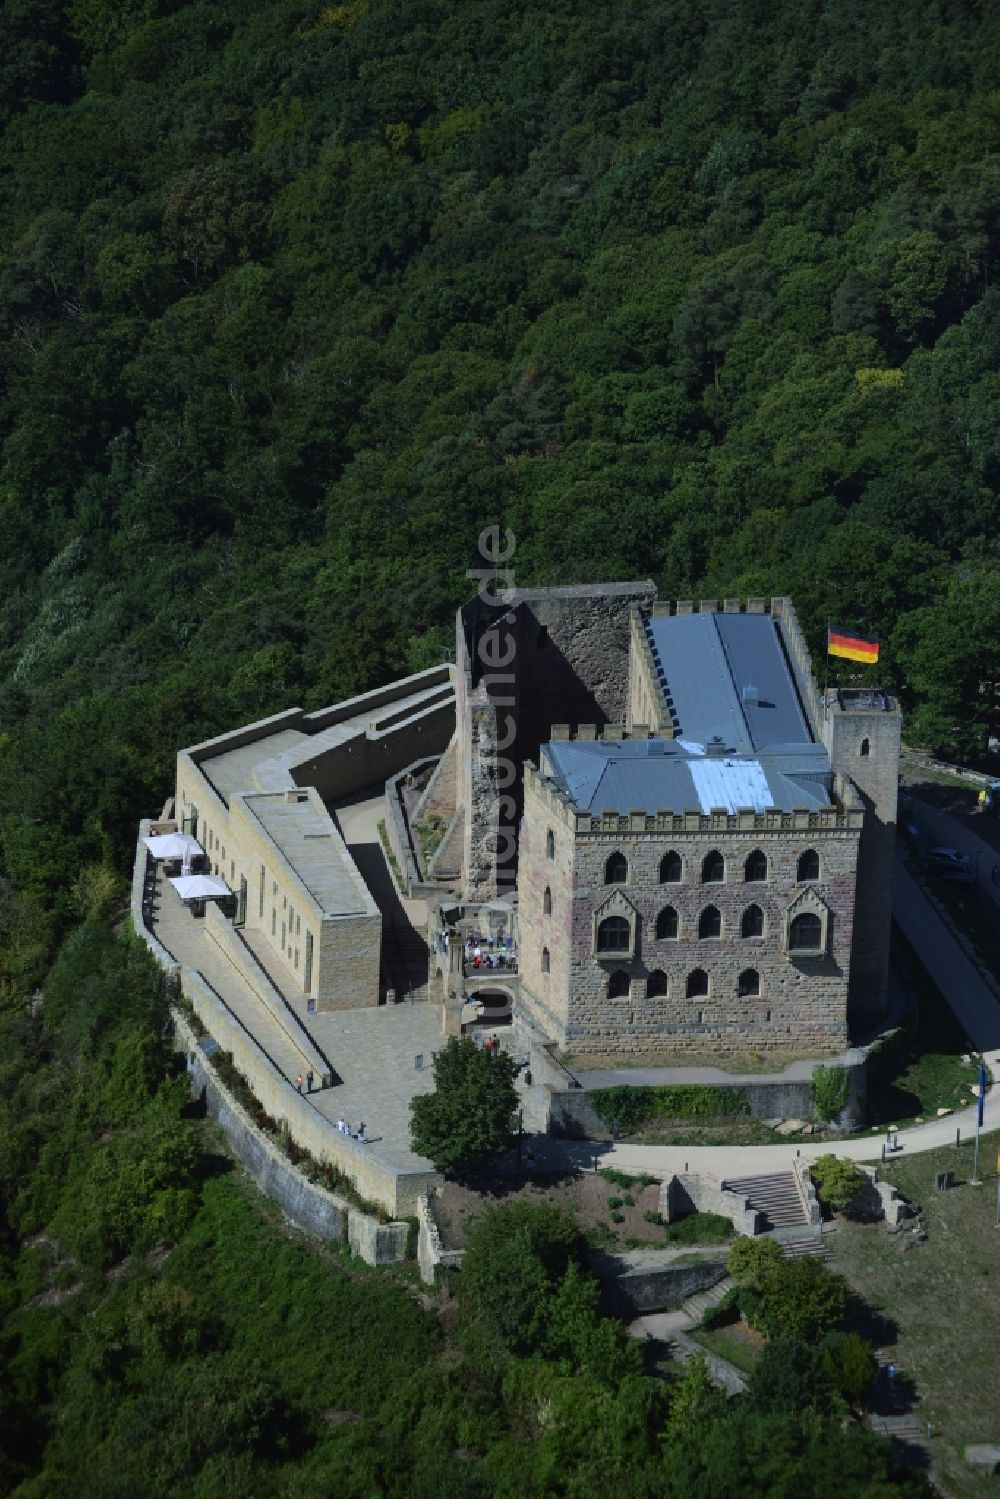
(306, 836)
(265, 762)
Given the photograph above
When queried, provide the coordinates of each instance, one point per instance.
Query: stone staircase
(776, 1196)
(698, 1305)
(800, 1243)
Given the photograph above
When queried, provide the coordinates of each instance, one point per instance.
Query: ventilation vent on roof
(751, 696)
(715, 746)
(656, 746)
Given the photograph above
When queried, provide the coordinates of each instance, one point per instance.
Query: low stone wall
(398, 831)
(630, 1290)
(807, 1193)
(304, 1203)
(571, 1113)
(253, 976)
(374, 1242)
(689, 1192)
(430, 1250)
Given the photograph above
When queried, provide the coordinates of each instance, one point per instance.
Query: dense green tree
(469, 1118)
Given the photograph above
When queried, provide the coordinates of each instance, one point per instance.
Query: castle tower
(861, 728)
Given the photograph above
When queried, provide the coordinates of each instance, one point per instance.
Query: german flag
(852, 647)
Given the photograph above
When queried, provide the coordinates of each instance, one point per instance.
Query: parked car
(949, 864)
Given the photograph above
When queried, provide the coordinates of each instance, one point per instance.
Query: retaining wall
(630, 1290)
(571, 1114)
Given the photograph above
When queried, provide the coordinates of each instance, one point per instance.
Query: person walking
(298, 1083)
(309, 1082)
(361, 1134)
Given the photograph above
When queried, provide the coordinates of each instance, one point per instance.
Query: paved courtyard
(373, 1051)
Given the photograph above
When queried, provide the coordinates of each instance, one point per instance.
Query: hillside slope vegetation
(296, 297)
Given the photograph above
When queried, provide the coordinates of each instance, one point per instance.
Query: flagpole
(980, 1103)
(826, 672)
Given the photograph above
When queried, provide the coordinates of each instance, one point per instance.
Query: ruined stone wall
(802, 1005)
(555, 655)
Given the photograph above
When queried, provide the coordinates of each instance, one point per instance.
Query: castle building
(706, 861)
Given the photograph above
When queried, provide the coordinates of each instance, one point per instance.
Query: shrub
(630, 1106)
(725, 1312)
(850, 1362)
(830, 1090)
(836, 1181)
(785, 1298)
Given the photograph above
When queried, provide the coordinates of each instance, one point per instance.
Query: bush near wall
(633, 1106)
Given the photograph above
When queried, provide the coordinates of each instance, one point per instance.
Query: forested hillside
(295, 298)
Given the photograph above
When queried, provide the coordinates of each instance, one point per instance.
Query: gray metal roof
(660, 774)
(727, 676)
(306, 835)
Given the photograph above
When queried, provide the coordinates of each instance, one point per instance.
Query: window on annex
(666, 923)
(547, 902)
(713, 868)
(613, 934)
(546, 961)
(697, 983)
(619, 985)
(808, 866)
(805, 933)
(748, 983)
(710, 922)
(656, 984)
(550, 844)
(866, 748)
(671, 868)
(752, 924)
(616, 869)
(755, 868)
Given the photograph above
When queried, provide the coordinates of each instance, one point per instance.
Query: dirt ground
(586, 1195)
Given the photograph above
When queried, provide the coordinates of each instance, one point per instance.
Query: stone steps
(797, 1245)
(698, 1305)
(775, 1195)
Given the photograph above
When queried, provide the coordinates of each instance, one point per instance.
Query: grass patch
(623, 1179)
(390, 858)
(738, 1344)
(940, 1301)
(751, 1062)
(699, 1228)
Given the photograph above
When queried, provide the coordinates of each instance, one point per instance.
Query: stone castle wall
(802, 1005)
(876, 776)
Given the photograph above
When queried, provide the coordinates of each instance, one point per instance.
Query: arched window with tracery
(671, 868)
(805, 933)
(808, 866)
(616, 869)
(713, 868)
(755, 868)
(613, 934)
